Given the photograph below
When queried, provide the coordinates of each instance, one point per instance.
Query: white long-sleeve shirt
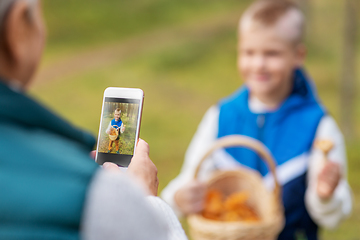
(327, 214)
(116, 208)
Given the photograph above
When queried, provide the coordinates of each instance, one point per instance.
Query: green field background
(182, 53)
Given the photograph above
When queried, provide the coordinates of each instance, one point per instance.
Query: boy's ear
(301, 52)
(17, 28)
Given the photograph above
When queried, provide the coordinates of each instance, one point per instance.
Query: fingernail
(107, 165)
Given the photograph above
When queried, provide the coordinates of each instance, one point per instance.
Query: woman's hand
(142, 168)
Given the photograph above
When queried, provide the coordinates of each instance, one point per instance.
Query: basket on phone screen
(265, 215)
(114, 133)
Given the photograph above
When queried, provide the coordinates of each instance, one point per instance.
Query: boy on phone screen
(277, 105)
(115, 125)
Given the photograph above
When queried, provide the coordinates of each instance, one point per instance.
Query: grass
(93, 23)
(185, 61)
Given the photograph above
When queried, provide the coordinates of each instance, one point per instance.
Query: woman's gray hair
(5, 6)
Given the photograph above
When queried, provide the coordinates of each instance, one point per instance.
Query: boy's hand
(328, 180)
(144, 169)
(190, 198)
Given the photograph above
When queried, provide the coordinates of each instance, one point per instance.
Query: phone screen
(118, 131)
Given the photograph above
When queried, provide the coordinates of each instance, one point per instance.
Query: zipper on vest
(260, 121)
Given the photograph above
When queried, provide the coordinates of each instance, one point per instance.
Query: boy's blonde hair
(285, 14)
(118, 110)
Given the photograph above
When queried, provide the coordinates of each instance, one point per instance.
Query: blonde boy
(119, 126)
(278, 106)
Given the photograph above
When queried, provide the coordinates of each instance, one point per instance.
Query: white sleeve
(176, 232)
(122, 128)
(330, 213)
(108, 128)
(116, 208)
(204, 137)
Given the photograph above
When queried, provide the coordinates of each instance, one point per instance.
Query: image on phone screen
(118, 130)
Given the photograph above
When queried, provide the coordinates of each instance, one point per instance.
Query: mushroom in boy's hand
(324, 145)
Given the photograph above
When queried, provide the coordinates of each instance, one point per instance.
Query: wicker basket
(114, 137)
(267, 204)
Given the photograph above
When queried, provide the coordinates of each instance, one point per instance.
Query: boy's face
(117, 116)
(266, 60)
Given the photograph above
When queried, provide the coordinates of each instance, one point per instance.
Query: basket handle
(244, 141)
(115, 126)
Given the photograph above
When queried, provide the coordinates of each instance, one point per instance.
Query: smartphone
(119, 125)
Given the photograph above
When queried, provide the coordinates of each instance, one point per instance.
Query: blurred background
(182, 53)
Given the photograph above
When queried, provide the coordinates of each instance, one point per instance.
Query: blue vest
(288, 133)
(116, 123)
